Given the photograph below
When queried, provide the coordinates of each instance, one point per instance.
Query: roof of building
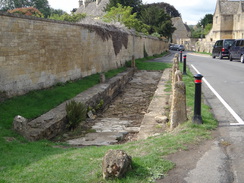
(92, 9)
(227, 7)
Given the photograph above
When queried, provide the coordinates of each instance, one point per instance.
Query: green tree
(30, 11)
(135, 4)
(69, 18)
(12, 4)
(57, 12)
(196, 32)
(167, 8)
(41, 5)
(207, 28)
(207, 19)
(203, 26)
(123, 15)
(158, 21)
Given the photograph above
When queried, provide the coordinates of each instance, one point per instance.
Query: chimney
(80, 3)
(97, 2)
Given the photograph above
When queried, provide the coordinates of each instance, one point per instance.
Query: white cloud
(65, 5)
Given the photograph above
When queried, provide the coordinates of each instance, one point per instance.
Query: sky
(192, 11)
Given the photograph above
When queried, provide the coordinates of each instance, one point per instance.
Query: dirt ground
(130, 105)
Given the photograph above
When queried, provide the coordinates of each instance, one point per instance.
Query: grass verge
(48, 162)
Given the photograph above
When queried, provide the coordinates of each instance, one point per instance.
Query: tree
(12, 4)
(135, 4)
(207, 28)
(208, 19)
(30, 11)
(41, 5)
(69, 18)
(203, 26)
(123, 15)
(158, 21)
(167, 8)
(57, 12)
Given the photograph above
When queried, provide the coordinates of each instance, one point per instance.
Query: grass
(48, 162)
(141, 64)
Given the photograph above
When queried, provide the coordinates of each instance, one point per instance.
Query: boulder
(115, 164)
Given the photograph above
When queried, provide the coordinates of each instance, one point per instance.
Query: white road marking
(233, 113)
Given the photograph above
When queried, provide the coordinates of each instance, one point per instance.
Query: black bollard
(180, 56)
(184, 65)
(197, 118)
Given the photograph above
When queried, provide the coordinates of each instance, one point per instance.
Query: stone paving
(123, 117)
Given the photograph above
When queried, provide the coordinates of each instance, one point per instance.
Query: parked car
(174, 47)
(237, 50)
(221, 48)
(177, 47)
(181, 48)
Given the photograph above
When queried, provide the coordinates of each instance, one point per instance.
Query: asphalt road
(224, 161)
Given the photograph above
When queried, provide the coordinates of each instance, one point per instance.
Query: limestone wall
(38, 53)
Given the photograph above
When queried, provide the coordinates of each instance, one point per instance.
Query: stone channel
(122, 119)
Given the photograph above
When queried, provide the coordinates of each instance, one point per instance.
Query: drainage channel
(121, 121)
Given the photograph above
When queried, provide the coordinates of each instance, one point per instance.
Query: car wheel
(213, 56)
(220, 56)
(230, 57)
(242, 59)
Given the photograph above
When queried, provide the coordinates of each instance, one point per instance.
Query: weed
(99, 105)
(76, 113)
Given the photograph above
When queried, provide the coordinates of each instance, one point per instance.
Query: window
(242, 43)
(238, 43)
(220, 43)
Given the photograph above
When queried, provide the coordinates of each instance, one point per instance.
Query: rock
(102, 78)
(115, 164)
(161, 119)
(20, 124)
(178, 113)
(91, 115)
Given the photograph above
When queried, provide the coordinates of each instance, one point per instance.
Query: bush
(69, 18)
(30, 11)
(76, 113)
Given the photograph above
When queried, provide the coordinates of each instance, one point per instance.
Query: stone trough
(52, 123)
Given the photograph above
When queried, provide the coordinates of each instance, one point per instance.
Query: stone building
(182, 31)
(93, 8)
(228, 23)
(228, 20)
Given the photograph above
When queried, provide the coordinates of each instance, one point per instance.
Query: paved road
(224, 161)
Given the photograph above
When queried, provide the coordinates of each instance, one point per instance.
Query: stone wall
(37, 53)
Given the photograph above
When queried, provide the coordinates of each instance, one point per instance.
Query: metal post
(184, 65)
(180, 56)
(197, 118)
